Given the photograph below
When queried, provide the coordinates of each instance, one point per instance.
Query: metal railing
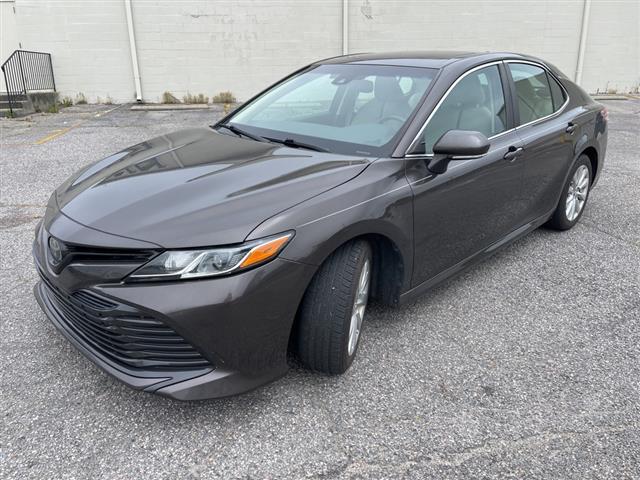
(26, 71)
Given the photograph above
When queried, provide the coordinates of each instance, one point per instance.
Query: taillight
(605, 114)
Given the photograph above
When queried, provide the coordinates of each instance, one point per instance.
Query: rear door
(476, 201)
(548, 132)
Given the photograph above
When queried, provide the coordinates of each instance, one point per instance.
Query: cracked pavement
(526, 366)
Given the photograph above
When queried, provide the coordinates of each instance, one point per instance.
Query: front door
(476, 202)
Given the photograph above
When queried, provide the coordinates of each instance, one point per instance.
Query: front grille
(122, 333)
(94, 301)
(111, 255)
(71, 253)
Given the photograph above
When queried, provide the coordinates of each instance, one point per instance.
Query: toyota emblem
(57, 250)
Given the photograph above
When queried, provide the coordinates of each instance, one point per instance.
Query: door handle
(570, 128)
(513, 153)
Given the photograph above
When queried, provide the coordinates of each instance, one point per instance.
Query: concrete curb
(177, 106)
(614, 97)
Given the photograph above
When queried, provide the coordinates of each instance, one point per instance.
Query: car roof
(424, 59)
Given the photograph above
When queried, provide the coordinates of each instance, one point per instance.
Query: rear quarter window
(557, 93)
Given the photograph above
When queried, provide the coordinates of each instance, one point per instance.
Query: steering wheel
(396, 118)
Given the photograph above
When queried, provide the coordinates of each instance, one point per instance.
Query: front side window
(475, 103)
(535, 97)
(351, 109)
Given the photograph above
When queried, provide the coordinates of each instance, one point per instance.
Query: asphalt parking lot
(526, 366)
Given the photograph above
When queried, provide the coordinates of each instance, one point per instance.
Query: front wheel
(332, 310)
(574, 196)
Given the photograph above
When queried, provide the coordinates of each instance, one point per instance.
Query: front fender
(376, 202)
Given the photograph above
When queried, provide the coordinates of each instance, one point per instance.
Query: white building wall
(612, 60)
(550, 30)
(9, 34)
(88, 42)
(244, 45)
(241, 46)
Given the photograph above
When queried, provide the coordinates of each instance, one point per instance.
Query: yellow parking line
(55, 134)
(58, 133)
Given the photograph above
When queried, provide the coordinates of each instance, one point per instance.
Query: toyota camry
(193, 264)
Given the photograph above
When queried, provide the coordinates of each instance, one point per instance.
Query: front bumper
(239, 325)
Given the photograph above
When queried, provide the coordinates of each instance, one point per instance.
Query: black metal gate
(26, 71)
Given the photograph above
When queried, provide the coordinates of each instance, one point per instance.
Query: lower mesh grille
(94, 301)
(122, 333)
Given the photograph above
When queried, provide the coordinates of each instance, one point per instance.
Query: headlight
(185, 264)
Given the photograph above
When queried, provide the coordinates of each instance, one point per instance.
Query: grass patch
(169, 98)
(224, 97)
(81, 99)
(199, 98)
(66, 102)
(107, 101)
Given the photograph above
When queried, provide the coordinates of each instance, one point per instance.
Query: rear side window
(557, 93)
(534, 93)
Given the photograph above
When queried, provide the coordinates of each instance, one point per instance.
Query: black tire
(324, 318)
(559, 220)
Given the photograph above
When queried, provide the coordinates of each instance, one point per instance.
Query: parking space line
(55, 134)
(59, 133)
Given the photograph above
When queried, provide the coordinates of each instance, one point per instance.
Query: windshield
(349, 109)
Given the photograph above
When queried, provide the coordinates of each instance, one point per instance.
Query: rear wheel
(574, 196)
(332, 310)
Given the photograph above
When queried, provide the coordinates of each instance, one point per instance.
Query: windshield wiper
(290, 142)
(242, 133)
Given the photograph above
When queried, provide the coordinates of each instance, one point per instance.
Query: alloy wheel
(359, 307)
(577, 193)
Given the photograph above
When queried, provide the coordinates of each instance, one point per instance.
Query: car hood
(198, 187)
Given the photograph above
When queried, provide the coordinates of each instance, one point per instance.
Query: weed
(224, 97)
(81, 99)
(199, 98)
(66, 102)
(168, 97)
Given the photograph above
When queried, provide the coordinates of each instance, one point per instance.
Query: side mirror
(457, 145)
